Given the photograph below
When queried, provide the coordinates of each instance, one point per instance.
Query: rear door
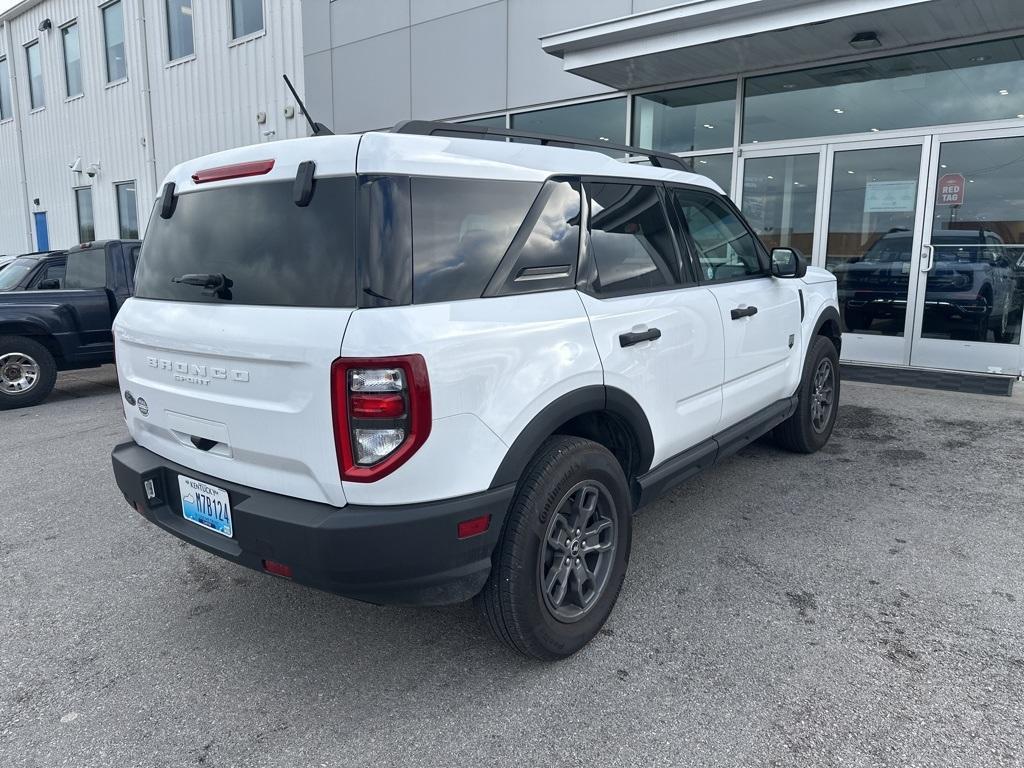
(760, 314)
(658, 333)
(242, 296)
(87, 276)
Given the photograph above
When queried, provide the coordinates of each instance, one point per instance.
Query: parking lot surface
(863, 606)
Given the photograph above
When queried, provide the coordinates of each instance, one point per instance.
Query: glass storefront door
(871, 243)
(972, 272)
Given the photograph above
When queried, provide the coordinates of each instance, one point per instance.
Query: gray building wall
(371, 64)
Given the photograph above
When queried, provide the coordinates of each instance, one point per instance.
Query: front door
(971, 276)
(42, 231)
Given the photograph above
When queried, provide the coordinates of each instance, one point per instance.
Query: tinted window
(113, 35)
(725, 248)
(127, 210)
(86, 269)
(273, 251)
(53, 272)
(630, 239)
(5, 91)
(86, 223)
(36, 96)
(460, 230)
(246, 17)
(180, 42)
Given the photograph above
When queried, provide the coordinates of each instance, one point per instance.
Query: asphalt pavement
(860, 607)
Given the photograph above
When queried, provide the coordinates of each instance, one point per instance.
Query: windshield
(251, 244)
(14, 273)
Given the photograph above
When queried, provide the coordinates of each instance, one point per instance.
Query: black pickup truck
(61, 328)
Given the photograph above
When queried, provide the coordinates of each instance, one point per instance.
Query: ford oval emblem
(143, 406)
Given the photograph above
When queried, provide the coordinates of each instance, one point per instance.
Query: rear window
(272, 251)
(461, 228)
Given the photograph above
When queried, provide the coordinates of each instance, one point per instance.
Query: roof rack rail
(433, 127)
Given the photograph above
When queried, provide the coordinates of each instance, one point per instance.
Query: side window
(86, 269)
(725, 248)
(544, 254)
(461, 228)
(52, 272)
(630, 239)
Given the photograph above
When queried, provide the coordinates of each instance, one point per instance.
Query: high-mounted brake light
(381, 413)
(236, 171)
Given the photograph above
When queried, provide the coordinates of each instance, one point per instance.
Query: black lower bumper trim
(408, 554)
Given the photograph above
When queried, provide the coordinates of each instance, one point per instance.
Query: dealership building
(883, 138)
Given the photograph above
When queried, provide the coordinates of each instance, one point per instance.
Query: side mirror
(50, 284)
(787, 262)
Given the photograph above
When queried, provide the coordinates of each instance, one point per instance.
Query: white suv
(414, 368)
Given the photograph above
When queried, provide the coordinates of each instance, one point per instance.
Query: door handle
(743, 312)
(629, 339)
(927, 258)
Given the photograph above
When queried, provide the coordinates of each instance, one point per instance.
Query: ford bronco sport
(418, 368)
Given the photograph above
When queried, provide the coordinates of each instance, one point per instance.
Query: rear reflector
(474, 526)
(383, 405)
(236, 171)
(278, 569)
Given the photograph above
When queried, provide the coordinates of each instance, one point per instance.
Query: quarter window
(86, 224)
(113, 35)
(5, 91)
(180, 41)
(246, 17)
(127, 210)
(725, 248)
(86, 269)
(630, 239)
(36, 95)
(72, 60)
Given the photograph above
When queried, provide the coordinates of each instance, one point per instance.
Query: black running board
(695, 460)
(930, 378)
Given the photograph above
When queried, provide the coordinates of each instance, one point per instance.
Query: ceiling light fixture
(839, 111)
(874, 130)
(865, 41)
(1003, 92)
(708, 125)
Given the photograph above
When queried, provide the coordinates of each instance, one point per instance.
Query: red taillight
(278, 569)
(381, 413)
(385, 406)
(236, 171)
(474, 526)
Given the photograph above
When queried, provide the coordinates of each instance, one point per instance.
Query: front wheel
(562, 557)
(810, 426)
(27, 372)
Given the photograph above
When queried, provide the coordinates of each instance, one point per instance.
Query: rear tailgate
(243, 293)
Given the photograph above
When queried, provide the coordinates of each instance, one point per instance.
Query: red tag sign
(950, 190)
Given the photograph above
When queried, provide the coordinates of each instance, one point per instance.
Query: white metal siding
(200, 105)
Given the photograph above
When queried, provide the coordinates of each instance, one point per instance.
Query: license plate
(206, 505)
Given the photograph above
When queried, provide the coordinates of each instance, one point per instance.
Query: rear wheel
(810, 426)
(562, 557)
(27, 372)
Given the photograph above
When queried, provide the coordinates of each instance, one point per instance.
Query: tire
(27, 372)
(807, 430)
(566, 477)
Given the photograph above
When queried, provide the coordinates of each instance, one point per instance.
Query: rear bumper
(406, 554)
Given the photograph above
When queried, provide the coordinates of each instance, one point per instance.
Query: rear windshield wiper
(214, 284)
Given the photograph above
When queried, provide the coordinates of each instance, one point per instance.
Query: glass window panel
(975, 289)
(686, 119)
(6, 111)
(601, 120)
(36, 95)
(127, 211)
(72, 60)
(718, 168)
(180, 42)
(630, 239)
(86, 270)
(954, 85)
(246, 17)
(779, 200)
(871, 235)
(86, 224)
(461, 228)
(725, 248)
(113, 37)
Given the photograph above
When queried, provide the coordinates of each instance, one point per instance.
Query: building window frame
(191, 54)
(36, 101)
(118, 186)
(6, 96)
(243, 37)
(104, 10)
(82, 230)
(64, 29)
